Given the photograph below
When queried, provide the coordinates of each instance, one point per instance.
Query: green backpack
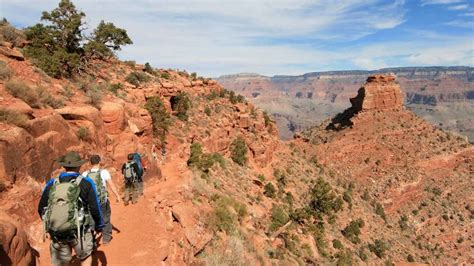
(65, 214)
(99, 185)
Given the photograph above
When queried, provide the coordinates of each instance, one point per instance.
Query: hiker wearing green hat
(67, 204)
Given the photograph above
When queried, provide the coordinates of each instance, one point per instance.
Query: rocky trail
(139, 236)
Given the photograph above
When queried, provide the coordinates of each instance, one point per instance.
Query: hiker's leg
(126, 198)
(60, 253)
(134, 192)
(140, 187)
(84, 251)
(107, 231)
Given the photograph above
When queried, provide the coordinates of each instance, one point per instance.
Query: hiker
(141, 172)
(70, 193)
(102, 178)
(130, 172)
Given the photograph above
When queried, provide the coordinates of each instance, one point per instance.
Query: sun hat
(70, 159)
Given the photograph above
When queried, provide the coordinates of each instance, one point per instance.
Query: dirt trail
(140, 234)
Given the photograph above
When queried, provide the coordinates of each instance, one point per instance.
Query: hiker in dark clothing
(102, 181)
(60, 196)
(130, 172)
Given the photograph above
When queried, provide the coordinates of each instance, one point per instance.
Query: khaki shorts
(61, 250)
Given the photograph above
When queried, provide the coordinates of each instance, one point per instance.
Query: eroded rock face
(380, 92)
(15, 249)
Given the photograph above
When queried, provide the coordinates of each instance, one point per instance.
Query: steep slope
(442, 95)
(415, 170)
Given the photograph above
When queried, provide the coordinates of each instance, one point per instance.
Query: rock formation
(14, 246)
(380, 92)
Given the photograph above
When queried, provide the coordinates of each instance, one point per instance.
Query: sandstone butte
(411, 183)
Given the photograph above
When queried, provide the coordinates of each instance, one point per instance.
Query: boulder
(196, 83)
(12, 53)
(21, 107)
(245, 121)
(113, 116)
(195, 231)
(15, 249)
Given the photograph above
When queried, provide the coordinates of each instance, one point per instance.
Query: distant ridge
(469, 70)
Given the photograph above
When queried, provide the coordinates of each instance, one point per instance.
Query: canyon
(442, 95)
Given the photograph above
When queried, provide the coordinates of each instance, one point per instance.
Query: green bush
(403, 222)
(148, 69)
(60, 47)
(269, 190)
(261, 177)
(13, 117)
(379, 247)
(180, 103)
(207, 111)
(337, 244)
(267, 119)
(323, 201)
(136, 78)
(160, 117)
(352, 231)
(227, 213)
(347, 198)
(83, 133)
(204, 161)
(410, 258)
(115, 87)
(278, 219)
(239, 151)
(19, 89)
(165, 75)
(130, 63)
(379, 210)
(5, 72)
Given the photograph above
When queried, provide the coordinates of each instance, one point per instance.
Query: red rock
(12, 53)
(14, 242)
(187, 215)
(197, 83)
(380, 92)
(245, 121)
(187, 83)
(113, 117)
(21, 107)
(167, 85)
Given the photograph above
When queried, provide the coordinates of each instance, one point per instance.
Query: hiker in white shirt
(102, 178)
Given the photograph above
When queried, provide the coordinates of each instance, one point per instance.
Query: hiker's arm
(90, 194)
(43, 203)
(112, 186)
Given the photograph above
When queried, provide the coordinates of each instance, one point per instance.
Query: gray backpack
(129, 173)
(101, 190)
(64, 214)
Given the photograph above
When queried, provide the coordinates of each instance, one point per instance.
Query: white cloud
(461, 24)
(459, 7)
(469, 14)
(440, 2)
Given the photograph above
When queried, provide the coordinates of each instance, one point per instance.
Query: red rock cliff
(380, 92)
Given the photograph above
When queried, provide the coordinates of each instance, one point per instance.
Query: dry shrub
(13, 117)
(19, 89)
(5, 72)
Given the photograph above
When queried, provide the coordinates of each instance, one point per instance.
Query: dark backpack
(138, 160)
(129, 173)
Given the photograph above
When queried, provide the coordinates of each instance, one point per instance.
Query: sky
(278, 37)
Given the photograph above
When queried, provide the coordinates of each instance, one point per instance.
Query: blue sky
(216, 37)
